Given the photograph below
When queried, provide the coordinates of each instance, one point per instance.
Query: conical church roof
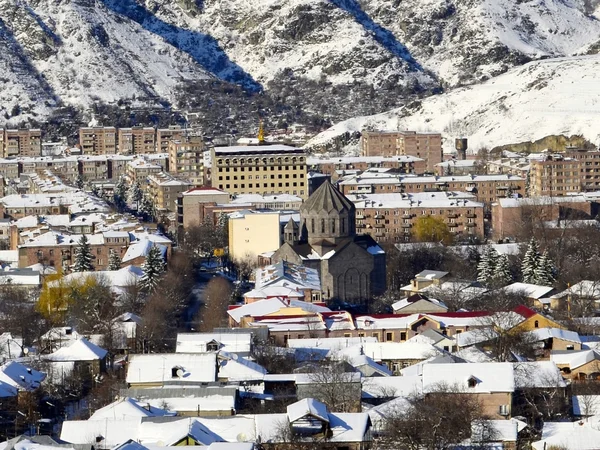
(327, 198)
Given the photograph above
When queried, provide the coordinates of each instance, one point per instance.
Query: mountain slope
(558, 96)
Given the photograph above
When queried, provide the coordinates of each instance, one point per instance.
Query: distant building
(336, 167)
(137, 140)
(165, 135)
(23, 142)
(98, 140)
(427, 146)
(186, 159)
(190, 209)
(251, 234)
(164, 191)
(260, 169)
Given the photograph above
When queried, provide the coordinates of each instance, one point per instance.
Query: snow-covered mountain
(333, 58)
(542, 98)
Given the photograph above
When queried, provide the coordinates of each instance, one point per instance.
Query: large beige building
(164, 190)
(20, 142)
(186, 159)
(561, 174)
(252, 234)
(260, 169)
(427, 146)
(166, 135)
(137, 140)
(98, 140)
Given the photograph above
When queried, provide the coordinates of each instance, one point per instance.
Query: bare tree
(213, 313)
(500, 334)
(285, 433)
(332, 384)
(541, 394)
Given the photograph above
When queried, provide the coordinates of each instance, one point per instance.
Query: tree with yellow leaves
(432, 229)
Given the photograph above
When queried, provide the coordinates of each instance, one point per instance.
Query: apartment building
(427, 146)
(338, 167)
(164, 189)
(17, 206)
(165, 135)
(260, 169)
(391, 217)
(509, 215)
(189, 210)
(139, 169)
(98, 140)
(93, 168)
(23, 142)
(137, 140)
(486, 188)
(560, 174)
(186, 159)
(253, 233)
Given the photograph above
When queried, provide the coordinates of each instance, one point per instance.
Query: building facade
(137, 140)
(186, 159)
(165, 135)
(164, 191)
(23, 142)
(98, 140)
(260, 169)
(252, 234)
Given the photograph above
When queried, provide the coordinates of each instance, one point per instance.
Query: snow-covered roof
(128, 408)
(256, 149)
(586, 405)
(573, 359)
(401, 304)
(538, 374)
(417, 369)
(237, 368)
(295, 275)
(406, 201)
(313, 161)
(529, 290)
(270, 306)
(126, 276)
(502, 430)
(79, 350)
(305, 407)
(331, 343)
(400, 386)
(384, 351)
(230, 342)
(488, 377)
(579, 435)
(166, 367)
(541, 334)
(15, 376)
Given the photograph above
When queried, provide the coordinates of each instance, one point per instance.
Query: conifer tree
(146, 206)
(114, 261)
(79, 183)
(544, 272)
(530, 262)
(153, 268)
(135, 193)
(120, 192)
(487, 266)
(502, 274)
(83, 256)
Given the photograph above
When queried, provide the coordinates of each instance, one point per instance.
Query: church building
(351, 266)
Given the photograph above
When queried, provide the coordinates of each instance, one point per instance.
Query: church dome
(327, 215)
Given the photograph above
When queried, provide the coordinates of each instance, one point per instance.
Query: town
(158, 289)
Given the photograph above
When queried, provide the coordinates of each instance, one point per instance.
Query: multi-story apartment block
(514, 166)
(337, 167)
(22, 142)
(561, 174)
(486, 188)
(186, 159)
(17, 206)
(93, 168)
(261, 169)
(137, 140)
(427, 146)
(139, 169)
(164, 189)
(98, 140)
(165, 135)
(189, 210)
(9, 169)
(391, 217)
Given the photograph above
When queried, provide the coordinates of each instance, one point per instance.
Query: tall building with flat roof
(137, 140)
(165, 135)
(260, 169)
(186, 159)
(98, 140)
(23, 142)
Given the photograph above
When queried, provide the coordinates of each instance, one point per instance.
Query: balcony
(406, 216)
(360, 216)
(452, 216)
(379, 216)
(360, 225)
(380, 233)
(453, 225)
(379, 225)
(471, 224)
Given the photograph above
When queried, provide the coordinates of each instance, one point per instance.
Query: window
(333, 225)
(389, 336)
(472, 382)
(347, 335)
(403, 335)
(375, 335)
(536, 324)
(570, 347)
(322, 225)
(312, 225)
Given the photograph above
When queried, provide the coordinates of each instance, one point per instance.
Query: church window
(322, 225)
(343, 226)
(333, 225)
(312, 225)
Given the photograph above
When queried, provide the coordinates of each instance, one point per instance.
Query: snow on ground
(557, 96)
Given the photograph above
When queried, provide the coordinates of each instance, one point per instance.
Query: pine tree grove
(530, 262)
(502, 274)
(114, 261)
(544, 272)
(487, 265)
(83, 256)
(153, 268)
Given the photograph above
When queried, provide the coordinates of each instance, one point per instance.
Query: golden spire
(261, 133)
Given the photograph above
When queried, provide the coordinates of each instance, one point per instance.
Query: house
(438, 339)
(81, 357)
(533, 293)
(491, 433)
(16, 377)
(533, 319)
(285, 279)
(127, 407)
(585, 290)
(492, 384)
(424, 279)
(232, 367)
(578, 365)
(242, 315)
(418, 303)
(554, 339)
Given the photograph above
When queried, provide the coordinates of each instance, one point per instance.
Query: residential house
(81, 358)
(234, 341)
(418, 303)
(578, 365)
(547, 340)
(287, 281)
(155, 370)
(241, 316)
(580, 435)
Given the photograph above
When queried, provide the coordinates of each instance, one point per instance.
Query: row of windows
(259, 169)
(285, 160)
(264, 177)
(265, 185)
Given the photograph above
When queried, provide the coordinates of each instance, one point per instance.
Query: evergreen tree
(487, 266)
(83, 256)
(114, 261)
(146, 206)
(135, 193)
(502, 274)
(120, 192)
(544, 272)
(153, 268)
(79, 183)
(530, 262)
